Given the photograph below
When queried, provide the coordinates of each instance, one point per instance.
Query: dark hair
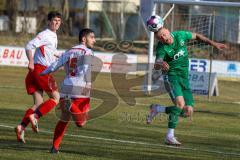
(54, 14)
(84, 32)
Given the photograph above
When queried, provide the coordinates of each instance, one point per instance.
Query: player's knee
(56, 98)
(180, 103)
(188, 110)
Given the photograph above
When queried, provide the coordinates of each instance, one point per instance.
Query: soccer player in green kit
(172, 58)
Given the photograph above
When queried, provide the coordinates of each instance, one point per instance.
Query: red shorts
(83, 104)
(35, 82)
(79, 109)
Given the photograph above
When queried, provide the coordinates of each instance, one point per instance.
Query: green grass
(213, 133)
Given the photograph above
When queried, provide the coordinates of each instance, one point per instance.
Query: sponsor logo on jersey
(179, 54)
(182, 43)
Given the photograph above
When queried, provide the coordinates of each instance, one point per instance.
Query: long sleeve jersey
(77, 66)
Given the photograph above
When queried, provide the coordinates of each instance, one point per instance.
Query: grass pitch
(213, 132)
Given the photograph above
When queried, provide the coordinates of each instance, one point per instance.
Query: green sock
(183, 114)
(174, 113)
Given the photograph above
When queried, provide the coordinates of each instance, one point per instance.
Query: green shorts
(179, 86)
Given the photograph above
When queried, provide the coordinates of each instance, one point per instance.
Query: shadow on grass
(236, 114)
(97, 148)
(17, 146)
(121, 151)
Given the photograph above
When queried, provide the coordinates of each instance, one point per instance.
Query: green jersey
(176, 54)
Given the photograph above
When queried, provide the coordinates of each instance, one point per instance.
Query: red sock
(59, 133)
(25, 120)
(46, 107)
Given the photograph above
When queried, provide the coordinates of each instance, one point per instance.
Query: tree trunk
(12, 11)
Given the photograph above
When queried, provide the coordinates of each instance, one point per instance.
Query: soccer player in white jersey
(45, 46)
(76, 86)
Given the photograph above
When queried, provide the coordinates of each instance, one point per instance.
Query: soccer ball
(154, 23)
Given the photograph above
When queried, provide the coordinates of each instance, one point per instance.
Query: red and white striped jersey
(45, 45)
(77, 66)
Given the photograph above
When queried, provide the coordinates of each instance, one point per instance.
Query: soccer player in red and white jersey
(76, 86)
(45, 46)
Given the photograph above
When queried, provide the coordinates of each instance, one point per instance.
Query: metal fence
(119, 25)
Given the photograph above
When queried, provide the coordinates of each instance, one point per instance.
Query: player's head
(164, 36)
(54, 14)
(87, 37)
(54, 20)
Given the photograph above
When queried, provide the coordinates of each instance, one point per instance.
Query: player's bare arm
(30, 59)
(201, 37)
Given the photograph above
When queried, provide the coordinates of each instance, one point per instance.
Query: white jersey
(77, 66)
(45, 45)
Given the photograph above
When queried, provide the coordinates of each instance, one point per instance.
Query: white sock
(170, 133)
(160, 108)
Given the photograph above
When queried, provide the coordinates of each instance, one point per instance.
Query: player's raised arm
(202, 38)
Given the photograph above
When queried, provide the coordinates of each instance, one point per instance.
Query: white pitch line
(136, 142)
(120, 100)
